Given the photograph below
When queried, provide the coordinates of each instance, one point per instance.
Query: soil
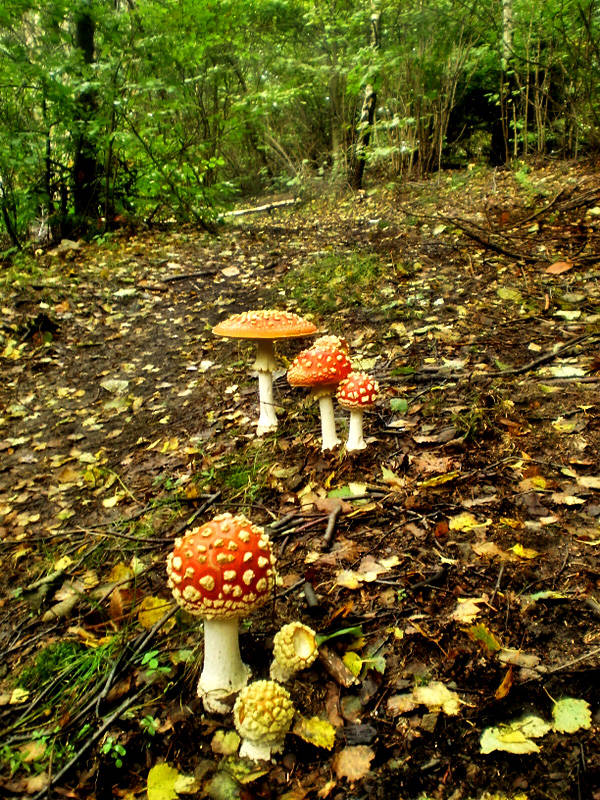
(123, 421)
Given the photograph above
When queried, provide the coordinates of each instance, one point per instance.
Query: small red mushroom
(357, 392)
(321, 368)
(222, 571)
(263, 327)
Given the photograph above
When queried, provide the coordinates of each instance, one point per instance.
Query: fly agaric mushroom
(262, 714)
(330, 340)
(263, 327)
(222, 571)
(357, 392)
(321, 369)
(294, 648)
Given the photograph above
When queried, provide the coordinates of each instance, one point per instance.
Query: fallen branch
(487, 242)
(185, 275)
(266, 207)
(45, 792)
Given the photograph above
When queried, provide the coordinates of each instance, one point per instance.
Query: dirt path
(467, 546)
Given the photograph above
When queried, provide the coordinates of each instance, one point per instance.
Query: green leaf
(355, 631)
(399, 404)
(571, 714)
(480, 633)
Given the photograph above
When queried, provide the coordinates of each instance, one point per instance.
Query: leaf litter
(456, 585)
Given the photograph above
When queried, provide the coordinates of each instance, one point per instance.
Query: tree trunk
(86, 166)
(367, 116)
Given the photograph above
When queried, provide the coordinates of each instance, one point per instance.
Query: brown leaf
(353, 763)
(559, 267)
(505, 686)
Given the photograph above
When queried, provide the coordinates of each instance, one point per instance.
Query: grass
(335, 280)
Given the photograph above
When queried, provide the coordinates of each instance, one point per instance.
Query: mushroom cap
(295, 646)
(263, 712)
(319, 366)
(223, 568)
(265, 324)
(330, 340)
(357, 390)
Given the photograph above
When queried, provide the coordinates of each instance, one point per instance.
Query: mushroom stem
(329, 438)
(265, 364)
(224, 672)
(267, 420)
(265, 355)
(355, 431)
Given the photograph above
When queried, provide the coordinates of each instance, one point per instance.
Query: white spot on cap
(207, 582)
(176, 562)
(229, 575)
(248, 576)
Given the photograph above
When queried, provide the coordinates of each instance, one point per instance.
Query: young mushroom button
(294, 648)
(357, 392)
(262, 714)
(264, 327)
(222, 571)
(321, 368)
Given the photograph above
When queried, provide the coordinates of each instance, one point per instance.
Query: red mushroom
(357, 392)
(321, 368)
(222, 571)
(263, 327)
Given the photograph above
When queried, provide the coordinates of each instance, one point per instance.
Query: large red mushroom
(264, 327)
(222, 571)
(321, 368)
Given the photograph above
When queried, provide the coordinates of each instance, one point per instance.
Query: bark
(367, 116)
(86, 166)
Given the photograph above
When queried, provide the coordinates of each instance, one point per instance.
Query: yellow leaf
(438, 480)
(62, 564)
(151, 610)
(349, 579)
(18, 695)
(111, 502)
(317, 731)
(463, 522)
(120, 572)
(524, 552)
(353, 662)
(161, 782)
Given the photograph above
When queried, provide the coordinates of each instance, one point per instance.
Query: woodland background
(170, 110)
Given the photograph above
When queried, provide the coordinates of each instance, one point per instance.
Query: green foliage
(182, 105)
(322, 285)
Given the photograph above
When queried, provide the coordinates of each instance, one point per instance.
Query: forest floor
(463, 546)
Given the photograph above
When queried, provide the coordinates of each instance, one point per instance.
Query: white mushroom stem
(267, 420)
(260, 750)
(355, 431)
(329, 438)
(265, 365)
(224, 673)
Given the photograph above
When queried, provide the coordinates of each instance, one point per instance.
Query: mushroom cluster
(222, 571)
(264, 327)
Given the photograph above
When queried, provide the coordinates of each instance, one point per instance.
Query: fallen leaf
(571, 714)
(467, 609)
(151, 610)
(317, 731)
(353, 763)
(437, 697)
(225, 743)
(161, 782)
(559, 267)
(524, 552)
